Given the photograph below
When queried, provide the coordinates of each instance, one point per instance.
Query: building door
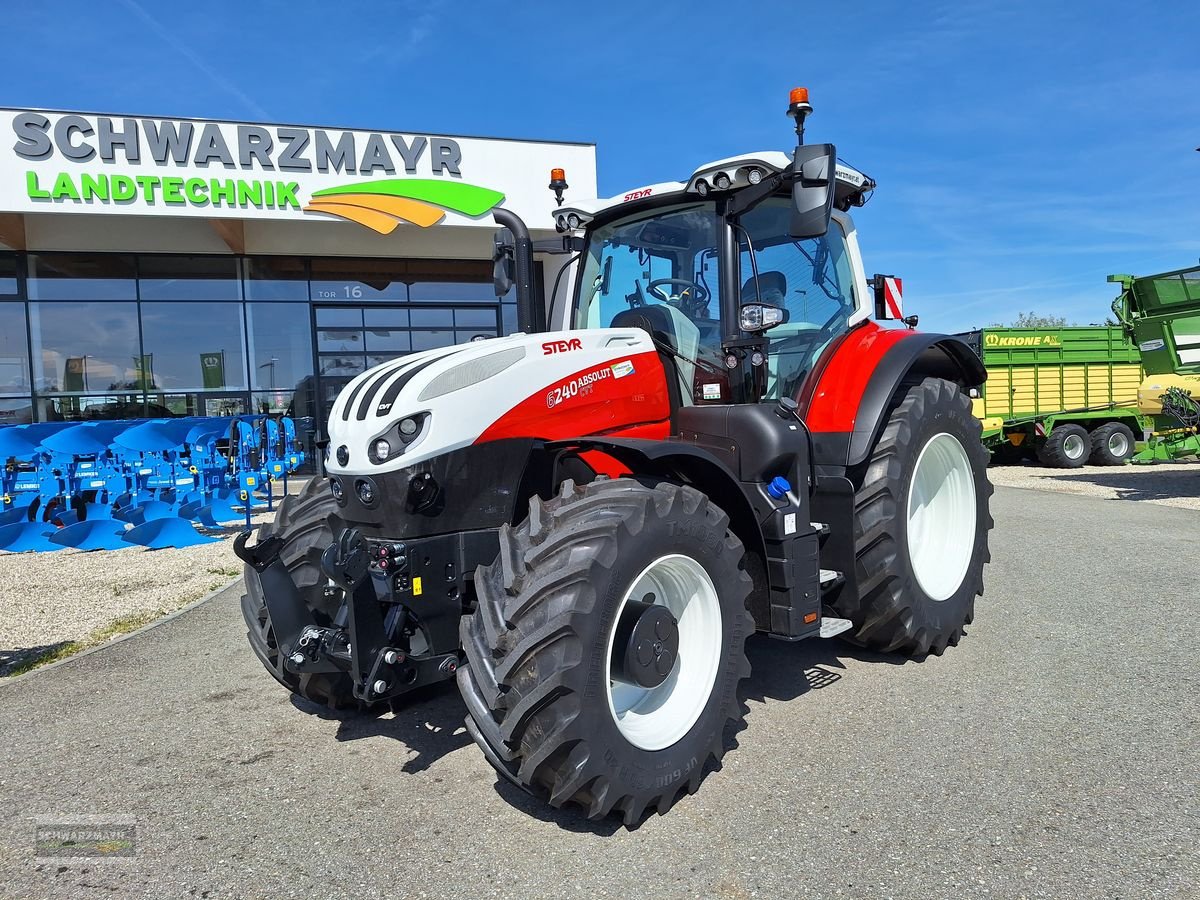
(352, 339)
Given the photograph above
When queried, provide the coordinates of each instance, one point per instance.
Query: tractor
(584, 522)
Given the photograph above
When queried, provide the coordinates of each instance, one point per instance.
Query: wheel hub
(646, 644)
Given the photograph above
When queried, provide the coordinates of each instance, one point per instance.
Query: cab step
(830, 579)
(831, 627)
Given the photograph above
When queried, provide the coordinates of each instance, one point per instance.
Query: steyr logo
(561, 346)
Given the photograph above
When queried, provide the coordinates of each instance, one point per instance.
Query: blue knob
(779, 487)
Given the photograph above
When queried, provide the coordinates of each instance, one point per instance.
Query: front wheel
(921, 525)
(607, 645)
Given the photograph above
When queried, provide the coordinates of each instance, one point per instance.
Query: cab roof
(852, 187)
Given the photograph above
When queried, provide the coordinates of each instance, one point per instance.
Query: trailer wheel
(1067, 447)
(607, 645)
(303, 520)
(921, 525)
(1112, 444)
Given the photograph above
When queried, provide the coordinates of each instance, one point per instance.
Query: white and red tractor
(583, 525)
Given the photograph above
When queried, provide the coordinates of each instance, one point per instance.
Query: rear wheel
(606, 649)
(1112, 444)
(1066, 447)
(303, 520)
(921, 525)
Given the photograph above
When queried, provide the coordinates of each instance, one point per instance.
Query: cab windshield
(668, 259)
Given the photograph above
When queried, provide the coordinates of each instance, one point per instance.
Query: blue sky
(1024, 150)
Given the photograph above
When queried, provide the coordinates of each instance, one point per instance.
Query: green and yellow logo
(991, 339)
(382, 205)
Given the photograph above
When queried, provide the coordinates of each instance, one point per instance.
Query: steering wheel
(692, 300)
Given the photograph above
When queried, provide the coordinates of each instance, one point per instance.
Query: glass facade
(110, 335)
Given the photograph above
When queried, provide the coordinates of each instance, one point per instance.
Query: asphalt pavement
(1054, 754)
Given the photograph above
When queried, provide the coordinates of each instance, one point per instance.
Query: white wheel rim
(941, 516)
(655, 718)
(1073, 446)
(1118, 444)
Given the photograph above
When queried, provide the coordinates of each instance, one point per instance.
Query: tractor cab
(739, 307)
(743, 274)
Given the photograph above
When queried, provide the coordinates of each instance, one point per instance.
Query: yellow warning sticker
(417, 586)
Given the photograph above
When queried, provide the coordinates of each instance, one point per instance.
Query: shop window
(385, 318)
(85, 347)
(385, 331)
(280, 345)
(452, 292)
(359, 280)
(189, 278)
(193, 346)
(340, 340)
(16, 411)
(77, 276)
(99, 407)
(475, 318)
(431, 339)
(10, 286)
(428, 317)
(14, 350)
(198, 404)
(339, 318)
(450, 281)
(508, 318)
(387, 341)
(340, 365)
(276, 278)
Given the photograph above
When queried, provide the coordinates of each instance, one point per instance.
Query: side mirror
(814, 167)
(758, 317)
(503, 267)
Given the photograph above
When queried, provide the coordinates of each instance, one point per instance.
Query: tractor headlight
(397, 439)
(366, 492)
(335, 488)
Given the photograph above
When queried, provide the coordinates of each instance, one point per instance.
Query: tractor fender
(690, 463)
(859, 375)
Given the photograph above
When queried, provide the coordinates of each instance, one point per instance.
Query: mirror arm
(531, 313)
(749, 197)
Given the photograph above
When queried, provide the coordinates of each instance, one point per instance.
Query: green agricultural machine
(1063, 396)
(1161, 314)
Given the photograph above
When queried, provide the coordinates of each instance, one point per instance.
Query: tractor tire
(541, 683)
(1066, 447)
(1112, 444)
(921, 525)
(303, 520)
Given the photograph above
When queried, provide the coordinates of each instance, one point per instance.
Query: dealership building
(154, 267)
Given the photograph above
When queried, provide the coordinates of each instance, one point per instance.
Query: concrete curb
(175, 614)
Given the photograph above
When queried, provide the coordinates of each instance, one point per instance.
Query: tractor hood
(550, 386)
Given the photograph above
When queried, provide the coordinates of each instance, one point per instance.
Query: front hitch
(290, 615)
